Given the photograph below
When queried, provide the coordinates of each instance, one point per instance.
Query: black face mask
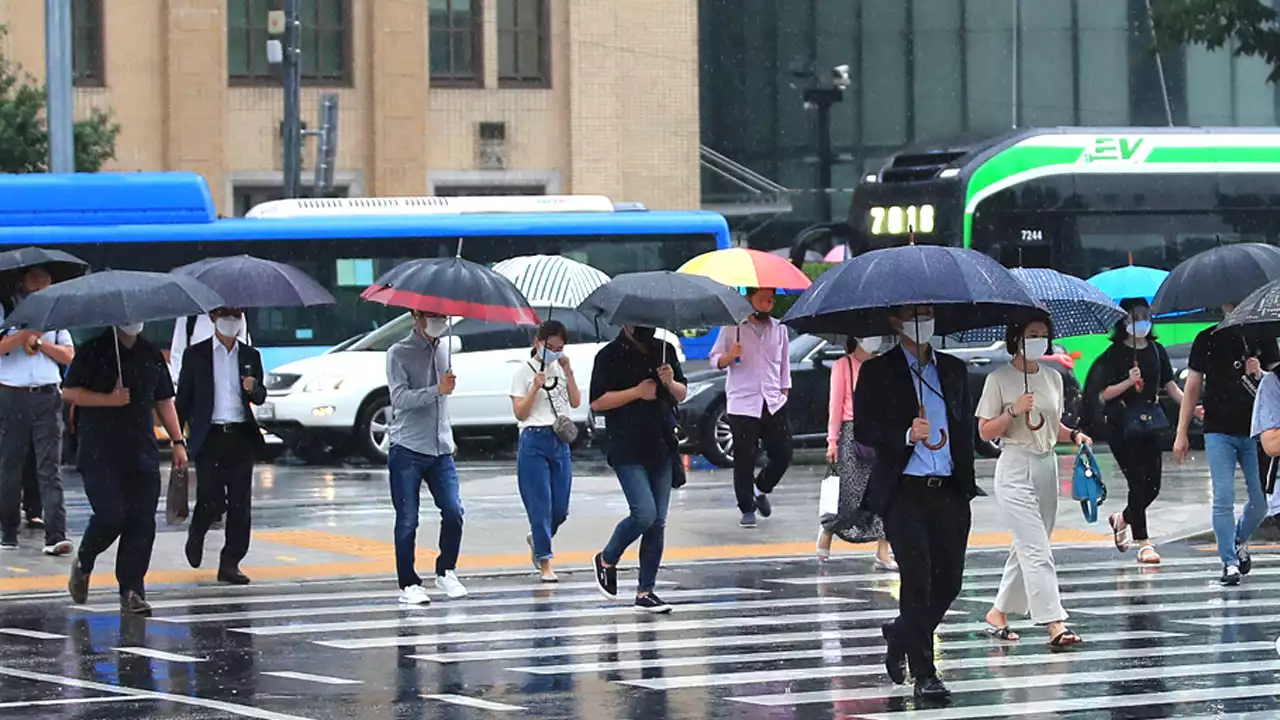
(761, 314)
(642, 334)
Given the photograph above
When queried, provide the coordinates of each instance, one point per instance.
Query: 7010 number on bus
(900, 220)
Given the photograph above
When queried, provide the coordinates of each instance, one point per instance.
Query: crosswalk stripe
(425, 609)
(1145, 592)
(656, 626)
(1114, 675)
(996, 571)
(159, 655)
(75, 701)
(1232, 620)
(308, 677)
(1152, 577)
(1211, 605)
(827, 653)
(31, 634)
(822, 673)
(474, 702)
(1050, 708)
(497, 618)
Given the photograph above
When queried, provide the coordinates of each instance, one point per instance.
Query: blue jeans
(648, 491)
(1224, 451)
(408, 471)
(545, 475)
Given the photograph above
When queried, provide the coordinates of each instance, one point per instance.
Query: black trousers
(773, 431)
(928, 529)
(32, 507)
(224, 484)
(124, 507)
(1142, 461)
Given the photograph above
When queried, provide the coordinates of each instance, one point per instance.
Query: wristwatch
(179, 441)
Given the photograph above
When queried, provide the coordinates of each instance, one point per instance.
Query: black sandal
(1065, 639)
(1002, 633)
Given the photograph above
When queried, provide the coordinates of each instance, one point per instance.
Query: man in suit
(220, 378)
(921, 483)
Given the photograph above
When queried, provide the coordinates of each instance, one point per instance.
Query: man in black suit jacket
(921, 483)
(220, 378)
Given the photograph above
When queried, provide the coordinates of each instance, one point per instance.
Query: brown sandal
(1064, 639)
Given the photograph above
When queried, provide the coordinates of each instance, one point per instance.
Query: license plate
(266, 411)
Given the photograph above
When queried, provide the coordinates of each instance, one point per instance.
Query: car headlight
(324, 383)
(698, 388)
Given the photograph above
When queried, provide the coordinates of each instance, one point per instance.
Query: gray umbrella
(665, 299)
(60, 265)
(249, 282)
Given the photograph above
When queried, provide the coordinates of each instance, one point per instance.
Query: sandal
(1120, 530)
(1003, 633)
(1147, 555)
(1066, 638)
(889, 565)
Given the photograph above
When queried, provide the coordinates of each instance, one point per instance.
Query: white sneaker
(451, 586)
(414, 595)
(62, 547)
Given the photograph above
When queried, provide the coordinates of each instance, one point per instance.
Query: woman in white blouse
(542, 389)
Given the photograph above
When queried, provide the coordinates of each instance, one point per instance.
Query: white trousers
(1026, 489)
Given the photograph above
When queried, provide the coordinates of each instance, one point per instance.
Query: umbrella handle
(942, 434)
(1027, 419)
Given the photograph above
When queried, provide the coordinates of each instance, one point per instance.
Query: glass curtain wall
(927, 70)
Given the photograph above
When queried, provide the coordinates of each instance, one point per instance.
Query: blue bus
(159, 221)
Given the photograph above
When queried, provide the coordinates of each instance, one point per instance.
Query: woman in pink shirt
(851, 523)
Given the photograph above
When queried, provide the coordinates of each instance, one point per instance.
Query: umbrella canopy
(249, 282)
(665, 299)
(810, 256)
(1217, 277)
(453, 287)
(837, 254)
(741, 267)
(1130, 281)
(114, 297)
(61, 266)
(1257, 313)
(551, 281)
(966, 289)
(1075, 307)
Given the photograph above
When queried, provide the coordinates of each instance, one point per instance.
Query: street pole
(822, 99)
(60, 103)
(292, 66)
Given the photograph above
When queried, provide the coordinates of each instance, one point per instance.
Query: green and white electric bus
(1081, 200)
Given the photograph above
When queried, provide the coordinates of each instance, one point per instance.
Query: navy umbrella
(1075, 307)
(966, 289)
(249, 282)
(665, 299)
(1217, 277)
(114, 297)
(60, 265)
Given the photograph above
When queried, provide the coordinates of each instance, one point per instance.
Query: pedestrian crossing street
(744, 642)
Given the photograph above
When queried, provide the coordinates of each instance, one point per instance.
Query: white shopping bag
(829, 496)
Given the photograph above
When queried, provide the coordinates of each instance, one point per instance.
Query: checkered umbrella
(1075, 307)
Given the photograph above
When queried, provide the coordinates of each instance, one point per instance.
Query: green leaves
(1252, 26)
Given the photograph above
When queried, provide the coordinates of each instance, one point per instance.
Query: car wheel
(373, 434)
(717, 438)
(986, 448)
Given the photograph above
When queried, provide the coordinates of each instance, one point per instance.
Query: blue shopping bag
(1087, 485)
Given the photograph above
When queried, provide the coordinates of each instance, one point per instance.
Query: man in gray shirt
(420, 381)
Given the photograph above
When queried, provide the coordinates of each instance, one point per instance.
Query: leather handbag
(1144, 418)
(1086, 485)
(177, 499)
(564, 426)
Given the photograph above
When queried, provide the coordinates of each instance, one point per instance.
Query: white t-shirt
(1003, 388)
(541, 415)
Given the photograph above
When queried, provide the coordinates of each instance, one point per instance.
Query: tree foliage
(1252, 26)
(24, 134)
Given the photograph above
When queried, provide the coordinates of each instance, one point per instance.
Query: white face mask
(871, 345)
(919, 331)
(436, 327)
(1035, 347)
(1139, 329)
(229, 326)
(133, 330)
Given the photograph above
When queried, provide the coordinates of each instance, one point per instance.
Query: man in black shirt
(1228, 366)
(636, 384)
(116, 395)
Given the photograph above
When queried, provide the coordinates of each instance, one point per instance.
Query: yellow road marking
(18, 570)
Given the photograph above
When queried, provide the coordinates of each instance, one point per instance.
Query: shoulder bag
(564, 426)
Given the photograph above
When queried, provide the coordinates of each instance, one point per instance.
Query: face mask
(643, 334)
(761, 314)
(871, 345)
(1140, 329)
(919, 331)
(435, 327)
(551, 356)
(133, 330)
(1035, 347)
(229, 326)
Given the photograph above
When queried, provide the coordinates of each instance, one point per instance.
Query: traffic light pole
(292, 66)
(60, 103)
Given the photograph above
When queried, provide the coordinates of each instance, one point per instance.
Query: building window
(326, 41)
(489, 190)
(524, 43)
(86, 43)
(457, 49)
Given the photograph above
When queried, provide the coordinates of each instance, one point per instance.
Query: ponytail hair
(546, 331)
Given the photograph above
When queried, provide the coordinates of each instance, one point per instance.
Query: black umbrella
(966, 289)
(114, 297)
(1217, 277)
(665, 299)
(60, 265)
(249, 282)
(452, 286)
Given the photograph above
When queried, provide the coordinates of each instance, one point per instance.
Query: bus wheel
(372, 429)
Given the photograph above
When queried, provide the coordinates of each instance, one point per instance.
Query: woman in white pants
(1022, 405)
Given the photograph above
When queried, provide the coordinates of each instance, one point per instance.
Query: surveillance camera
(840, 76)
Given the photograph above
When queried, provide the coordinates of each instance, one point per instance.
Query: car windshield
(802, 345)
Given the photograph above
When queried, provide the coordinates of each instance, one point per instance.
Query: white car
(340, 400)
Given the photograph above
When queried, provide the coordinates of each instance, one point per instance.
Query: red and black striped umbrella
(452, 286)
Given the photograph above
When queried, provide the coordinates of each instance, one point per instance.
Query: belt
(229, 427)
(44, 389)
(929, 481)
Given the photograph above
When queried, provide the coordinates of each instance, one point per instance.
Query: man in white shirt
(31, 422)
(190, 331)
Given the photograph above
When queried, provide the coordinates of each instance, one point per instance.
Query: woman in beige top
(1022, 405)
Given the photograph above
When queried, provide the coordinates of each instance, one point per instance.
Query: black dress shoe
(931, 688)
(133, 604)
(232, 576)
(78, 583)
(895, 657)
(195, 549)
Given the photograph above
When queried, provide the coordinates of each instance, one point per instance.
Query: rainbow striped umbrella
(740, 267)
